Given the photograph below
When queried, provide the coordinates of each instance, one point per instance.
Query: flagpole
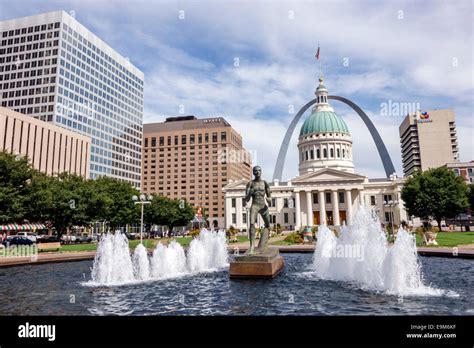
(319, 58)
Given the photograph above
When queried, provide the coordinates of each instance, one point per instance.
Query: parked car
(18, 240)
(130, 236)
(30, 235)
(68, 238)
(48, 239)
(83, 238)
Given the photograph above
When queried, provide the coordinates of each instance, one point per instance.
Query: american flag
(317, 54)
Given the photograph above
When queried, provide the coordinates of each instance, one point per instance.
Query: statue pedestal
(264, 264)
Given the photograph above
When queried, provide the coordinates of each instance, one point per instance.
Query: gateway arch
(382, 150)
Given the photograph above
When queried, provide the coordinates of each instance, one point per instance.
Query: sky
(254, 63)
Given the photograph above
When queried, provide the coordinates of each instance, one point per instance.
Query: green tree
(15, 176)
(437, 193)
(181, 213)
(471, 196)
(112, 201)
(168, 212)
(62, 200)
(157, 212)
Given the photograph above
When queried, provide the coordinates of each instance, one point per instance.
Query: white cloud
(420, 54)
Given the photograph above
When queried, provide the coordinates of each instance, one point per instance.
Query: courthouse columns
(238, 208)
(335, 208)
(309, 209)
(228, 212)
(361, 198)
(322, 208)
(349, 207)
(297, 210)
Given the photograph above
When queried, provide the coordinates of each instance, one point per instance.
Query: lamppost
(391, 204)
(142, 199)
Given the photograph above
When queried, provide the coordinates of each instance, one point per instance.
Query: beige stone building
(193, 159)
(428, 140)
(50, 149)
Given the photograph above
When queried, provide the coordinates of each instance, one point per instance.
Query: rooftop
(181, 123)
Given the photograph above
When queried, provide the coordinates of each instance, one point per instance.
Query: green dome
(324, 122)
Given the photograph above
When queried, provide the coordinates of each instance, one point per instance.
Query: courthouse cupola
(325, 140)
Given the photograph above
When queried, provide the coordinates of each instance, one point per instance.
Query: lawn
(241, 239)
(148, 243)
(451, 239)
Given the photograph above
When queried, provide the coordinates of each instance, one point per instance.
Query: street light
(391, 204)
(142, 199)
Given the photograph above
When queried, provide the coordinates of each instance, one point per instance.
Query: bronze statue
(259, 191)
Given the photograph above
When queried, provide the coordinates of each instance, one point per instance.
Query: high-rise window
(79, 86)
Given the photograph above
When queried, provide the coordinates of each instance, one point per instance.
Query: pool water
(61, 289)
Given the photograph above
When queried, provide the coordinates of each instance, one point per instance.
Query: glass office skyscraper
(54, 69)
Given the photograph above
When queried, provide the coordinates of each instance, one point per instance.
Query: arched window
(302, 156)
(343, 153)
(306, 155)
(312, 154)
(318, 153)
(338, 151)
(325, 153)
(331, 151)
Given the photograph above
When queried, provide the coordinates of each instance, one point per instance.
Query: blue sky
(372, 52)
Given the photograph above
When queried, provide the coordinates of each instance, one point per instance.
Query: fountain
(114, 265)
(362, 256)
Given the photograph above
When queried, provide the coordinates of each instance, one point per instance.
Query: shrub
(426, 228)
(294, 238)
(194, 233)
(232, 234)
(277, 228)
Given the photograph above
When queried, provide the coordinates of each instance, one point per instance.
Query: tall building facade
(50, 149)
(193, 159)
(328, 189)
(428, 140)
(54, 69)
